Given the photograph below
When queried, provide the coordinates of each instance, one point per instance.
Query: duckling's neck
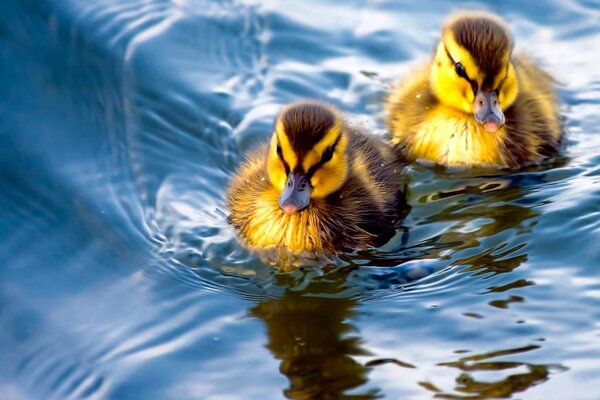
(269, 226)
(452, 137)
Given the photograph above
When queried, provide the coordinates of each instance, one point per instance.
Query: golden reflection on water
(518, 376)
(467, 212)
(316, 343)
(474, 210)
(310, 331)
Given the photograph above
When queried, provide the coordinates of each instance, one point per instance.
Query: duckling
(476, 104)
(319, 188)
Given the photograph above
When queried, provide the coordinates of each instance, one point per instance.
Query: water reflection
(473, 210)
(316, 342)
(518, 376)
(482, 224)
(120, 124)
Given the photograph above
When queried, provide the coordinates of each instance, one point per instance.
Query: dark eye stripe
(460, 71)
(327, 155)
(280, 155)
(502, 81)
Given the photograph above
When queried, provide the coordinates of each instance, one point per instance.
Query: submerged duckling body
(475, 103)
(319, 187)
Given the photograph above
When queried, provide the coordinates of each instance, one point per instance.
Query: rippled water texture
(121, 123)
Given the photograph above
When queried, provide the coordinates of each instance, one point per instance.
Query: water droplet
(418, 96)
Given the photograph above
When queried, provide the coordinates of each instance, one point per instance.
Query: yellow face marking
(275, 168)
(501, 78)
(451, 89)
(455, 91)
(314, 156)
(509, 89)
(327, 178)
(459, 54)
(288, 152)
(331, 175)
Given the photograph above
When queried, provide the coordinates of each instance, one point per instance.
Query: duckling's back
(533, 127)
(407, 106)
(373, 198)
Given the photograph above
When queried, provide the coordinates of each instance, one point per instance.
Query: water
(121, 123)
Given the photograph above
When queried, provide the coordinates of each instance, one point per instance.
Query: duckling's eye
(279, 151)
(460, 70)
(327, 154)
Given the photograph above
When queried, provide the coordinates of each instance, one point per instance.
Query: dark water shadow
(312, 333)
(518, 376)
(471, 211)
(468, 223)
(316, 342)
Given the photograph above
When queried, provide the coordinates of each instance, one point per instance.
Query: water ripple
(122, 123)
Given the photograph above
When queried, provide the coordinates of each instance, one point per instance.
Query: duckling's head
(472, 69)
(307, 156)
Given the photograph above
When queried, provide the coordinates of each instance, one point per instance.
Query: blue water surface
(121, 123)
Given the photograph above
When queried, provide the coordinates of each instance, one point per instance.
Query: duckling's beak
(487, 110)
(296, 194)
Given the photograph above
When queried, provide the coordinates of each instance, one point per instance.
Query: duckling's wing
(407, 105)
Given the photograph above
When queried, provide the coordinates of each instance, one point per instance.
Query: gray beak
(296, 194)
(487, 111)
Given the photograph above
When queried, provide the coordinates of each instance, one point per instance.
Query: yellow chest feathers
(453, 138)
(269, 226)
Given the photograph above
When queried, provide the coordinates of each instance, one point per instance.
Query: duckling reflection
(467, 210)
(316, 342)
(473, 211)
(513, 383)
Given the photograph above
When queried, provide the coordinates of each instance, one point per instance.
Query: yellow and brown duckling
(475, 104)
(320, 187)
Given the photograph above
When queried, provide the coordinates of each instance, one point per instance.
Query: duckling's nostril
(481, 102)
(289, 183)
